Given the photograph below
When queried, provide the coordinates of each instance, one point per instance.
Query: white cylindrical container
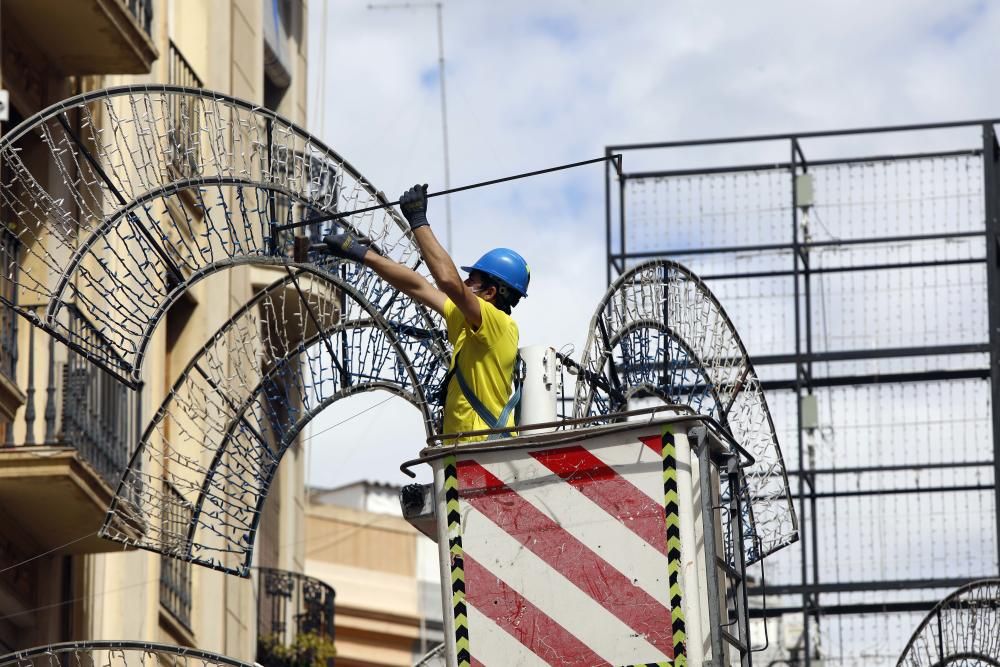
(540, 390)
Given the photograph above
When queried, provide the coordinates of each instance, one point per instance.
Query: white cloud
(537, 84)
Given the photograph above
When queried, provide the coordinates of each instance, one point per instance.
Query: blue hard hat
(506, 266)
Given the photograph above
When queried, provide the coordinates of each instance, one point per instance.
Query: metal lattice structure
(161, 186)
(116, 654)
(310, 339)
(963, 630)
(861, 269)
(660, 332)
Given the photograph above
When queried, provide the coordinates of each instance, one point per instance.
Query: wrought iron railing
(142, 10)
(80, 406)
(9, 249)
(185, 119)
(290, 608)
(175, 574)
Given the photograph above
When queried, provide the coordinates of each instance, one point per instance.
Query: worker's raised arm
(413, 204)
(401, 277)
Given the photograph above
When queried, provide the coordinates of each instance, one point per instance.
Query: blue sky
(531, 85)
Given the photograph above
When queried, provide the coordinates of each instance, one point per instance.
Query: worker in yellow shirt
(476, 310)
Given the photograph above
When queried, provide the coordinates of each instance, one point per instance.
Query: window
(175, 574)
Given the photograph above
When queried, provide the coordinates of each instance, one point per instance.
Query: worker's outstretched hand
(345, 245)
(413, 204)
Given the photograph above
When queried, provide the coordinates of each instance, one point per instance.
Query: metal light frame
(962, 629)
(698, 355)
(619, 258)
(115, 149)
(117, 653)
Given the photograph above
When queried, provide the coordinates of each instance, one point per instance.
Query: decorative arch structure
(962, 630)
(659, 331)
(161, 186)
(116, 654)
(196, 484)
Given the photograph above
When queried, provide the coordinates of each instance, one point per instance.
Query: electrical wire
(94, 533)
(343, 421)
(46, 553)
(339, 538)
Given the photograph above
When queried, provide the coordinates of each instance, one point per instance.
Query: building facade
(385, 572)
(66, 428)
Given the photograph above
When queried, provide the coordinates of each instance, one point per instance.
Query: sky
(537, 84)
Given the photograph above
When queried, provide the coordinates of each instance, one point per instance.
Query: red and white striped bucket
(558, 554)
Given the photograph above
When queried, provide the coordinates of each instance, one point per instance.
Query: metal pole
(991, 188)
(699, 441)
(806, 600)
(438, 8)
(733, 479)
(444, 130)
(607, 213)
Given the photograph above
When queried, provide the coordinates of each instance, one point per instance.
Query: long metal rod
(862, 586)
(991, 190)
(779, 247)
(734, 480)
(344, 214)
(903, 467)
(936, 490)
(849, 609)
(438, 8)
(804, 135)
(804, 480)
(882, 378)
(778, 166)
(713, 583)
(444, 127)
(607, 216)
(877, 353)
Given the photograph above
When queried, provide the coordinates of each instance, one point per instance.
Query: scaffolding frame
(802, 273)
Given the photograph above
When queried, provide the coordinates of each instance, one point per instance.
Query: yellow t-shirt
(487, 364)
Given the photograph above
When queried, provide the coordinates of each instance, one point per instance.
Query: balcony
(89, 36)
(294, 619)
(185, 129)
(62, 456)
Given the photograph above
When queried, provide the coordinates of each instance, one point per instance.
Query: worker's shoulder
(487, 309)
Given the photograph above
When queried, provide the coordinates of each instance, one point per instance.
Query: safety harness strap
(477, 405)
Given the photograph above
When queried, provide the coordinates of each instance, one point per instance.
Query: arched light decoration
(196, 485)
(160, 186)
(117, 654)
(962, 630)
(659, 331)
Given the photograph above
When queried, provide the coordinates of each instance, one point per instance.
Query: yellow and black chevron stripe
(670, 504)
(463, 656)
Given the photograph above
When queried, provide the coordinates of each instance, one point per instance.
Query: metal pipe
(700, 443)
(444, 128)
(804, 135)
(991, 190)
(803, 517)
(771, 247)
(327, 217)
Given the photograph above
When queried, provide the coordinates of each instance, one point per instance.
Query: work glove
(345, 245)
(413, 204)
